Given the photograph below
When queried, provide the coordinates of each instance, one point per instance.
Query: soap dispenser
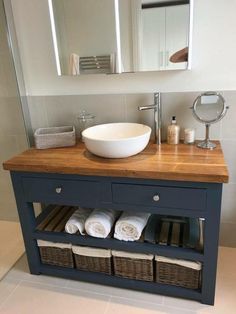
(173, 132)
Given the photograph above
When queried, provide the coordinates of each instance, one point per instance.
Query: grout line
(11, 293)
(84, 290)
(108, 305)
(140, 300)
(42, 283)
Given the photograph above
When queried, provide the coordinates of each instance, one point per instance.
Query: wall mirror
(115, 36)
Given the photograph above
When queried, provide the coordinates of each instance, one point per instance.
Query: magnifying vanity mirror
(209, 108)
(115, 36)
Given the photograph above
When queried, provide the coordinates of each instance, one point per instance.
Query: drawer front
(159, 196)
(65, 192)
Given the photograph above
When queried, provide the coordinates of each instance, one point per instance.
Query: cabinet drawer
(60, 191)
(159, 196)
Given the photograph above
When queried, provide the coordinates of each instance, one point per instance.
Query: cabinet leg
(28, 224)
(211, 238)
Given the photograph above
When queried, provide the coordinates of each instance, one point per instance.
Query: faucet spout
(157, 116)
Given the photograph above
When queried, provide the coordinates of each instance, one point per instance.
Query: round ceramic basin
(116, 140)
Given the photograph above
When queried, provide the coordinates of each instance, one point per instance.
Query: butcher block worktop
(166, 162)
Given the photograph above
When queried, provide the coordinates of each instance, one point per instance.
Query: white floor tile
(116, 292)
(22, 293)
(7, 286)
(21, 272)
(37, 298)
(11, 245)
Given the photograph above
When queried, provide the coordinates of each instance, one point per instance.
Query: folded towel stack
(100, 222)
(77, 221)
(129, 226)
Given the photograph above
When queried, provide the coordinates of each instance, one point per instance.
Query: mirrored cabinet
(118, 36)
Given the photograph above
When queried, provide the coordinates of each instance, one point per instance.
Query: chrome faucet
(157, 116)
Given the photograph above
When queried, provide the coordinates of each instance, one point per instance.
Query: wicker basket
(133, 266)
(178, 272)
(92, 259)
(57, 254)
(63, 136)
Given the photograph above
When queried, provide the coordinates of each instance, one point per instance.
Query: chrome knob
(156, 198)
(58, 190)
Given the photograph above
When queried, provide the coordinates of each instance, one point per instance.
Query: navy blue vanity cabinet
(171, 180)
(186, 199)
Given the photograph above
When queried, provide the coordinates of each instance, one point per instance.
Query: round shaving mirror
(209, 108)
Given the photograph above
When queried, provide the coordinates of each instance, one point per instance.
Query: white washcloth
(74, 68)
(77, 221)
(129, 226)
(100, 222)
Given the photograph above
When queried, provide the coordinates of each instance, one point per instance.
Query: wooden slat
(164, 233)
(49, 218)
(60, 227)
(56, 219)
(166, 162)
(175, 234)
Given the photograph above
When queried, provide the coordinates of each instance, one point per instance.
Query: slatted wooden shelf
(51, 225)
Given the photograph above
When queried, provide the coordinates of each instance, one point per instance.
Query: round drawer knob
(156, 198)
(58, 190)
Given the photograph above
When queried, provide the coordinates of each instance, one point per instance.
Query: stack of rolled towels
(99, 223)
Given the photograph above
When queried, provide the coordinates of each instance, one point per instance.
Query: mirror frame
(220, 116)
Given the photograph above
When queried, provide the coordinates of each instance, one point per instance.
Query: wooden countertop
(166, 162)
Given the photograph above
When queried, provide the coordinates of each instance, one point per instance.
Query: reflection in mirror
(209, 108)
(113, 36)
(154, 34)
(84, 34)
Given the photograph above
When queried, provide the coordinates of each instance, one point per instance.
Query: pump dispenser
(173, 132)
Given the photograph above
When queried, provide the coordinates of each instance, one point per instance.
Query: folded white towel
(129, 226)
(77, 221)
(74, 68)
(100, 222)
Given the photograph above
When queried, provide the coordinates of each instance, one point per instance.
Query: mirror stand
(207, 144)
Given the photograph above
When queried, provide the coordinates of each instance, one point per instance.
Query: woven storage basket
(178, 272)
(92, 259)
(133, 266)
(58, 254)
(62, 136)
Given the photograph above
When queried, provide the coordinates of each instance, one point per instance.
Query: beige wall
(12, 132)
(213, 68)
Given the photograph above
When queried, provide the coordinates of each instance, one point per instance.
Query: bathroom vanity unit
(180, 180)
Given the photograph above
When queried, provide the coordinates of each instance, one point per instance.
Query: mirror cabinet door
(85, 36)
(113, 36)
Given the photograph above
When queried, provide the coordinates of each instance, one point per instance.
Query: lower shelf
(114, 244)
(104, 279)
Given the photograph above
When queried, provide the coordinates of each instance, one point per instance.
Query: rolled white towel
(77, 221)
(100, 222)
(129, 226)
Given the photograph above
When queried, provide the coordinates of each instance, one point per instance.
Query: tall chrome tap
(157, 116)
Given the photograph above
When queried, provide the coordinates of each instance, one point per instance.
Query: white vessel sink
(116, 140)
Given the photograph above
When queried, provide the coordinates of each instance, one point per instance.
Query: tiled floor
(10, 251)
(22, 293)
